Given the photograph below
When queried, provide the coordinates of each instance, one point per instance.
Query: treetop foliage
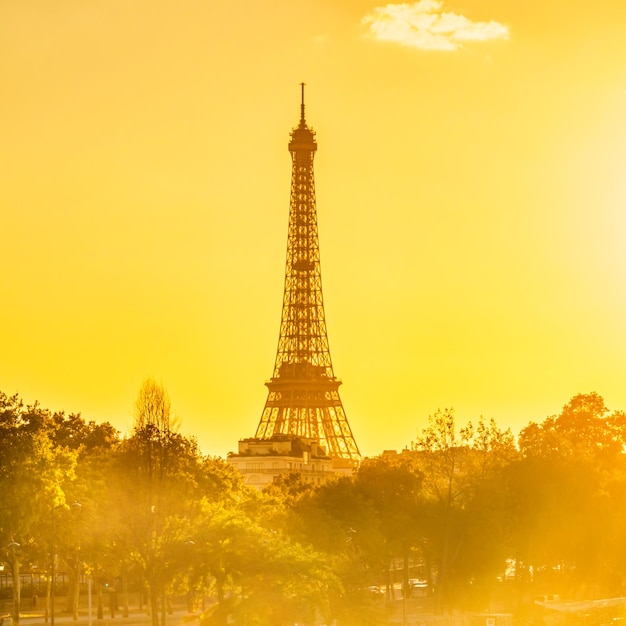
(455, 509)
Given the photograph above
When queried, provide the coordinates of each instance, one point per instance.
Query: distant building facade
(261, 460)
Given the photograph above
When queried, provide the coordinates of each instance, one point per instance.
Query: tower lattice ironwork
(303, 398)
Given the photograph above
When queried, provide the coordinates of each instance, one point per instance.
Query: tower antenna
(302, 122)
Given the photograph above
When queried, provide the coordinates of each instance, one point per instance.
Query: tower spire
(302, 122)
(303, 393)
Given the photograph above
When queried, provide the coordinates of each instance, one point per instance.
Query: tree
(461, 470)
(261, 576)
(583, 428)
(157, 476)
(572, 465)
(393, 485)
(153, 408)
(342, 519)
(83, 521)
(32, 473)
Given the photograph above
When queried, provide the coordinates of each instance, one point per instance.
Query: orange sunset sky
(471, 195)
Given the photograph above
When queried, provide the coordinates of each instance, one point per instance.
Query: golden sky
(471, 195)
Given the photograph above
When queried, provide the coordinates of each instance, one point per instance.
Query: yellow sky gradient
(471, 204)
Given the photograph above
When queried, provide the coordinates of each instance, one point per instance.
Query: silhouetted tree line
(487, 522)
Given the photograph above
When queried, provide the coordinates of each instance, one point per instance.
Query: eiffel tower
(303, 398)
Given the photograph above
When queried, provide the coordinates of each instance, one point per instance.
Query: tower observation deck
(303, 398)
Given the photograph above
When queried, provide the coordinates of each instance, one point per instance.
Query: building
(261, 460)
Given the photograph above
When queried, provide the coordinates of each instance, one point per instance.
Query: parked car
(375, 590)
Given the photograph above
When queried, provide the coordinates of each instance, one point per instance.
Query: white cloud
(427, 26)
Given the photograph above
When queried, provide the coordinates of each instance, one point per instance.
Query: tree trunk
(73, 590)
(154, 605)
(406, 589)
(70, 590)
(112, 601)
(48, 598)
(162, 607)
(124, 583)
(389, 581)
(76, 594)
(17, 591)
(100, 601)
(221, 609)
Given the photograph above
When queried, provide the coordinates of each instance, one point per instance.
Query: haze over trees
(484, 520)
